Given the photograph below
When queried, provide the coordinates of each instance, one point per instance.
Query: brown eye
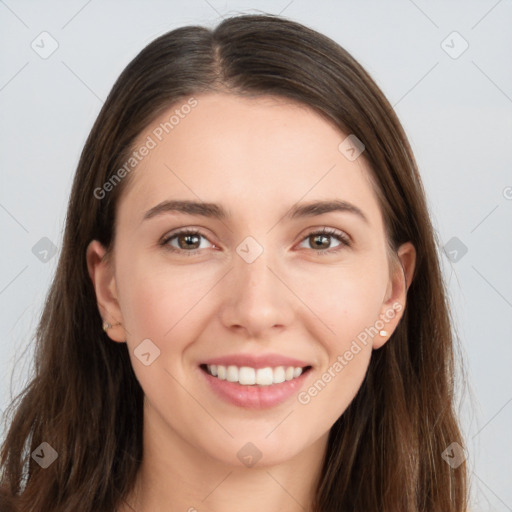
(186, 241)
(320, 241)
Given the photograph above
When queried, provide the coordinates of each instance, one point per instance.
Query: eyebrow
(216, 211)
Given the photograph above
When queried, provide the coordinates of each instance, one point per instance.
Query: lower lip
(255, 397)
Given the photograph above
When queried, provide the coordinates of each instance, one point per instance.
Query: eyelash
(344, 240)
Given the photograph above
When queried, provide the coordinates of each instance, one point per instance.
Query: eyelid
(164, 241)
(344, 239)
(328, 231)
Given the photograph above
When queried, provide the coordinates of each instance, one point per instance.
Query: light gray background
(457, 113)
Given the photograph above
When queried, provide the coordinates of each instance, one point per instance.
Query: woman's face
(255, 289)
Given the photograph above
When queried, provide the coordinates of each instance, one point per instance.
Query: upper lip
(256, 361)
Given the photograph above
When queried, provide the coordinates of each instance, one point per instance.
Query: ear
(101, 272)
(400, 279)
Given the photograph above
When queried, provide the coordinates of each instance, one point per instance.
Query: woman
(248, 310)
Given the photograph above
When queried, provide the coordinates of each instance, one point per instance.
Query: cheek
(349, 304)
(346, 299)
(158, 298)
(161, 303)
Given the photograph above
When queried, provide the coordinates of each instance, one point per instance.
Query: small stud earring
(383, 333)
(107, 326)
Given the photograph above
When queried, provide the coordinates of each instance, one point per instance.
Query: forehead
(260, 152)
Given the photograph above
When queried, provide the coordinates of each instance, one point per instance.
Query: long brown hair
(385, 452)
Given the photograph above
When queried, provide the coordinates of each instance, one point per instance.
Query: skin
(257, 157)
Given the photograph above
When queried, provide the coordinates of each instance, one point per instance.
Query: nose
(259, 302)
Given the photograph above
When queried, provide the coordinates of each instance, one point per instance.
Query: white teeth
(264, 376)
(248, 376)
(221, 372)
(279, 375)
(232, 374)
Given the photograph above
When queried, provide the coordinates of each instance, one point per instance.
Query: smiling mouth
(248, 376)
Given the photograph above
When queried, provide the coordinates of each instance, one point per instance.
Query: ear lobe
(101, 272)
(394, 305)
